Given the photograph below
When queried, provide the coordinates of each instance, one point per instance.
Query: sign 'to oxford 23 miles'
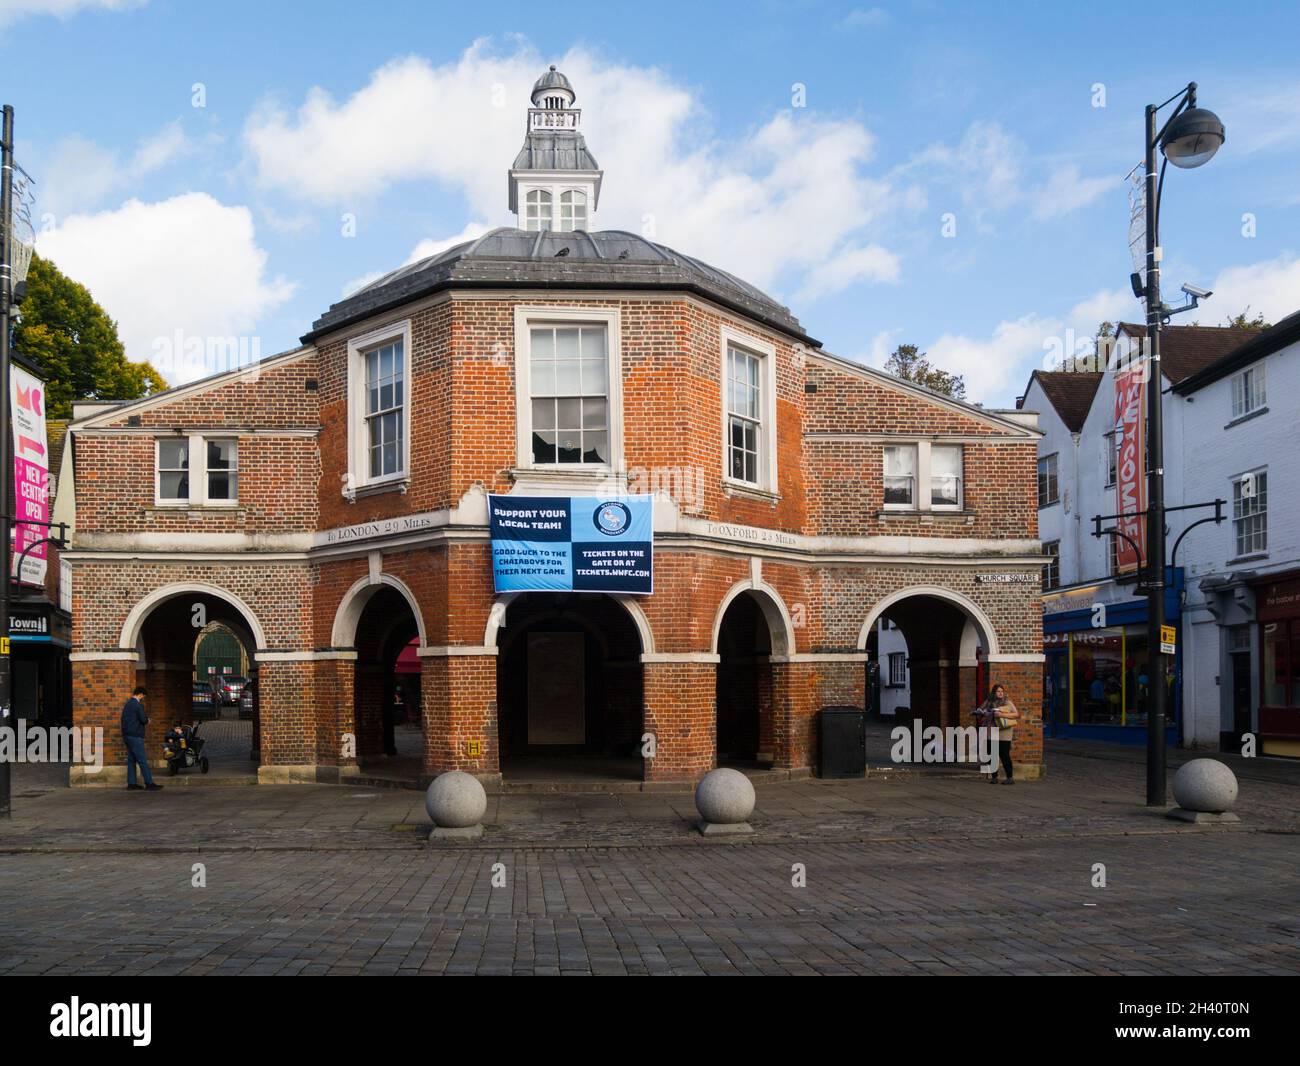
(572, 543)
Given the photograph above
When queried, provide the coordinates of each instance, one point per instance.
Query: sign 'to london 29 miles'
(572, 543)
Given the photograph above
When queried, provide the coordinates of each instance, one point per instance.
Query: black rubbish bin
(843, 742)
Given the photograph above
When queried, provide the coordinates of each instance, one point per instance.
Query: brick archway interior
(745, 691)
(168, 638)
(570, 688)
(389, 734)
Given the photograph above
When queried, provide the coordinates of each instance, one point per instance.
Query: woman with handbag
(998, 711)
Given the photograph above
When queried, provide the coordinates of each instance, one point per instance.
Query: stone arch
(500, 605)
(774, 611)
(135, 619)
(983, 626)
(344, 632)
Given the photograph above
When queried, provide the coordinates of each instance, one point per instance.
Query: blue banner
(572, 543)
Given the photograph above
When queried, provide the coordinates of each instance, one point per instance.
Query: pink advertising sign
(31, 475)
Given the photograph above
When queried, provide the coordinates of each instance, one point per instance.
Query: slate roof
(509, 258)
(1261, 343)
(1069, 392)
(555, 150)
(1186, 350)
(552, 79)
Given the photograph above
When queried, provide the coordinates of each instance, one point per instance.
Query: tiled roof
(1069, 392)
(1185, 350)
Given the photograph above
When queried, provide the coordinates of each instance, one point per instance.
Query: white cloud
(985, 170)
(1068, 190)
(992, 365)
(847, 266)
(1271, 287)
(769, 205)
(997, 366)
(80, 173)
(426, 248)
(188, 265)
(13, 10)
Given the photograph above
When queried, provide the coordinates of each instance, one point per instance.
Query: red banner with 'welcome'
(1130, 474)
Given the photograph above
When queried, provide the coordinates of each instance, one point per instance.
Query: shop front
(40, 635)
(1278, 612)
(1097, 679)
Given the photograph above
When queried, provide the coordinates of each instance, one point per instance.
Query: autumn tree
(74, 342)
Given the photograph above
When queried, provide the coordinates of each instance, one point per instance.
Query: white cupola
(555, 182)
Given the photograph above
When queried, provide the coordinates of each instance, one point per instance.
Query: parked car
(229, 687)
(205, 700)
(246, 700)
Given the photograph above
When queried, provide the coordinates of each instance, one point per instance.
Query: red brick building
(330, 505)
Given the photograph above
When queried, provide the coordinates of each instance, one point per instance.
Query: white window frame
(916, 476)
(1245, 385)
(198, 496)
(546, 219)
(527, 316)
(1053, 501)
(765, 352)
(897, 658)
(1053, 566)
(1262, 513)
(559, 206)
(358, 471)
(1110, 456)
(925, 457)
(922, 490)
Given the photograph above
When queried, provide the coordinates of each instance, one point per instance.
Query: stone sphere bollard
(1205, 785)
(456, 803)
(725, 799)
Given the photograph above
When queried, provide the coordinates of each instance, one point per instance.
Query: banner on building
(31, 475)
(572, 543)
(1130, 465)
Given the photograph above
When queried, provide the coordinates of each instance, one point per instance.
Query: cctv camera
(1197, 292)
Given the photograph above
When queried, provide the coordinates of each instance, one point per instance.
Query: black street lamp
(1188, 139)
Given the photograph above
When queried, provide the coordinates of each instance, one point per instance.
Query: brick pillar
(794, 723)
(288, 721)
(458, 702)
(681, 712)
(968, 695)
(368, 703)
(1024, 685)
(99, 688)
(336, 729)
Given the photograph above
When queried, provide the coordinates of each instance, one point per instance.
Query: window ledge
(751, 492)
(1251, 558)
(201, 508)
(377, 488)
(1248, 416)
(967, 517)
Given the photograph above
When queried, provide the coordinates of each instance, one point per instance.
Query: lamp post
(1188, 139)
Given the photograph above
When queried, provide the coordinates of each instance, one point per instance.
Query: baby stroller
(182, 746)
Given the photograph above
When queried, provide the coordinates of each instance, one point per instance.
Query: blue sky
(229, 219)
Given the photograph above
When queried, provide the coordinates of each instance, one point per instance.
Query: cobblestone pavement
(906, 874)
(1208, 904)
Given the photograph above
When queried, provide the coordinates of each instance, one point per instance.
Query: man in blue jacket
(133, 722)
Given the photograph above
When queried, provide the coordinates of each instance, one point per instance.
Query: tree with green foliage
(1242, 320)
(910, 363)
(70, 337)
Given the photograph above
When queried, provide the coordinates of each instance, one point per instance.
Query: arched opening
(389, 730)
(569, 689)
(744, 685)
(928, 654)
(198, 660)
